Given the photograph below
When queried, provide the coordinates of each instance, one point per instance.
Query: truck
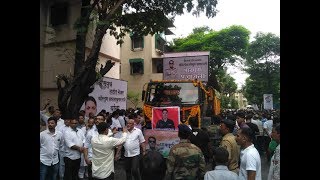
(188, 95)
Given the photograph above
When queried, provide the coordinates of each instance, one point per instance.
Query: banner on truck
(186, 68)
(164, 140)
(108, 94)
(267, 101)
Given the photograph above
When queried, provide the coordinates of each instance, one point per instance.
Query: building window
(59, 14)
(159, 43)
(157, 65)
(137, 42)
(136, 66)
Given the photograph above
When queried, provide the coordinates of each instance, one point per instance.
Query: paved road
(264, 167)
(120, 172)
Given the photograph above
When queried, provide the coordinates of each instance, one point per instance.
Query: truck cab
(192, 96)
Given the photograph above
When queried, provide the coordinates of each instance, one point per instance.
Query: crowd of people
(88, 146)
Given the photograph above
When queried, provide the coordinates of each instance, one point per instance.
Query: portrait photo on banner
(165, 118)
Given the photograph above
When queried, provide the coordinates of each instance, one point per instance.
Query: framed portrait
(166, 118)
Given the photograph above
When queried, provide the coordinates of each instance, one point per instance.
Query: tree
(134, 98)
(234, 104)
(139, 16)
(228, 102)
(263, 67)
(227, 84)
(226, 46)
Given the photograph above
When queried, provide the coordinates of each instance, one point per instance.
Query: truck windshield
(184, 93)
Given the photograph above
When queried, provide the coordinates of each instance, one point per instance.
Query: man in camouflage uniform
(213, 131)
(185, 160)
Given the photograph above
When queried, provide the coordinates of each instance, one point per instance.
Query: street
(120, 172)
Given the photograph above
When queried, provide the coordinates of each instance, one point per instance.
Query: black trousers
(132, 166)
(71, 168)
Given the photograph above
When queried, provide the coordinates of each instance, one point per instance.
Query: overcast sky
(255, 15)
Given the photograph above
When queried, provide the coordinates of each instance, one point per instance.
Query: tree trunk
(73, 94)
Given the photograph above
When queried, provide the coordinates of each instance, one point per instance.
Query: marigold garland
(147, 109)
(194, 111)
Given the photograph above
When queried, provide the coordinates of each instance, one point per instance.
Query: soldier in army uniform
(213, 131)
(171, 72)
(185, 160)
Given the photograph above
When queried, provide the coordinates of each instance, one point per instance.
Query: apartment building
(141, 60)
(57, 45)
(242, 101)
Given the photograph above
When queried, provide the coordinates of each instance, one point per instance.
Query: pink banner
(164, 140)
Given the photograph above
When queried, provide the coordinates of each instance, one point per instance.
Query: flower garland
(203, 88)
(194, 111)
(147, 109)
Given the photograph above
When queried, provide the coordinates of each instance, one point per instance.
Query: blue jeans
(48, 172)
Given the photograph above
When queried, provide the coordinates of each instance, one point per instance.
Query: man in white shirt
(50, 140)
(81, 125)
(103, 152)
(74, 139)
(57, 115)
(62, 149)
(91, 132)
(116, 122)
(250, 162)
(134, 141)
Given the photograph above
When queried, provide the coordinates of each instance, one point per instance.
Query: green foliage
(234, 104)
(224, 45)
(203, 29)
(149, 16)
(134, 98)
(266, 47)
(224, 102)
(227, 83)
(228, 103)
(263, 67)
